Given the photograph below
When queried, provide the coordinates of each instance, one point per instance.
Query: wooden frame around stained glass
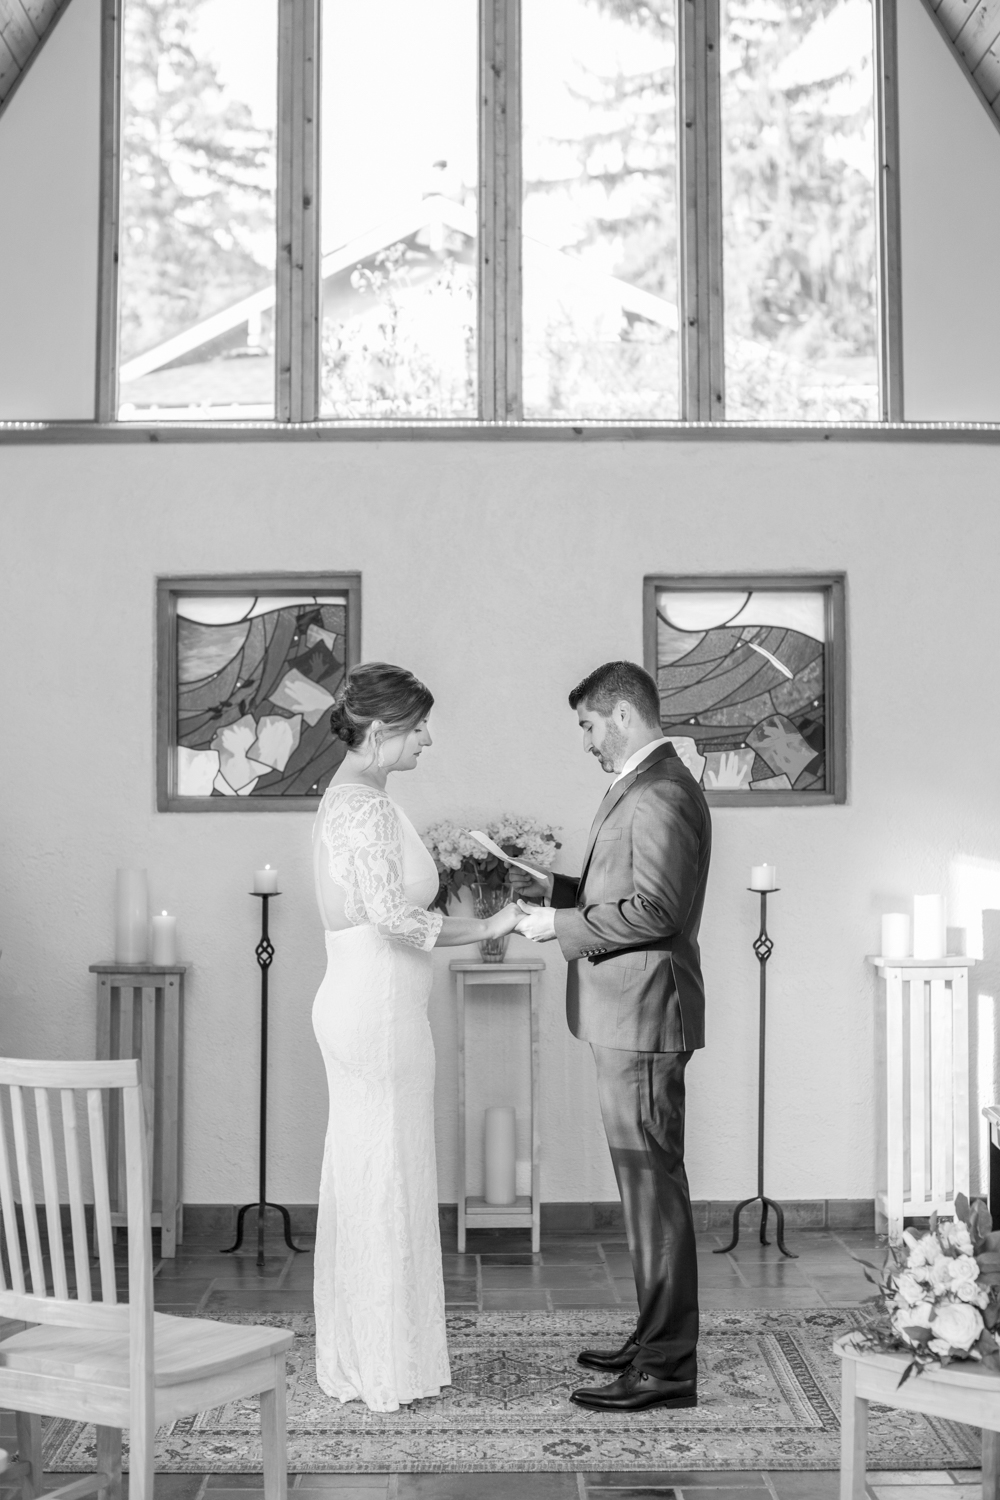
(248, 666)
(752, 672)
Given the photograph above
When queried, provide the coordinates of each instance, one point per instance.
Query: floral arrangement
(462, 861)
(941, 1293)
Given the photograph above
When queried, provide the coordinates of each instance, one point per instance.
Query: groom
(629, 928)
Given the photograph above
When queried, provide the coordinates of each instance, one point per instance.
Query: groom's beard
(611, 750)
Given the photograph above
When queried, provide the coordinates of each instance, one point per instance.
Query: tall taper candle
(164, 939)
(500, 1154)
(131, 917)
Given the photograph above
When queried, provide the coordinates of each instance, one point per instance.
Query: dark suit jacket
(629, 924)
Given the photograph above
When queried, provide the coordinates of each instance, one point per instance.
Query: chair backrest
(81, 1095)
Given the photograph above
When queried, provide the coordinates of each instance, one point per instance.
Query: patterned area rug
(769, 1394)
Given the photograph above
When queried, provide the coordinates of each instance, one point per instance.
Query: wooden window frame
(167, 590)
(834, 586)
(298, 300)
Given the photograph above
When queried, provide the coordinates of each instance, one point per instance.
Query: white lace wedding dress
(379, 1293)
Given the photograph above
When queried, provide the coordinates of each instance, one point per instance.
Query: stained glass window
(750, 674)
(250, 676)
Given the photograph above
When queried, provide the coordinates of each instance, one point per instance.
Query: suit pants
(642, 1101)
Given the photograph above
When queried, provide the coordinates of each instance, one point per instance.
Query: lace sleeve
(377, 846)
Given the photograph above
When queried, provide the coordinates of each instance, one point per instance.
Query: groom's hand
(525, 888)
(539, 923)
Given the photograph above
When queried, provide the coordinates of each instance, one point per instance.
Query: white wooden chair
(97, 1360)
(963, 1392)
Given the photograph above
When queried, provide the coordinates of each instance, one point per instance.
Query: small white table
(924, 1088)
(964, 1392)
(524, 1212)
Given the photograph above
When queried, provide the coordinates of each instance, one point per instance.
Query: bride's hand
(503, 921)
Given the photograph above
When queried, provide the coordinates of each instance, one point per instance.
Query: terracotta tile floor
(497, 1271)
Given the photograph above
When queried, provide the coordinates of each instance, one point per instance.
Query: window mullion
(889, 279)
(298, 273)
(699, 157)
(499, 281)
(106, 391)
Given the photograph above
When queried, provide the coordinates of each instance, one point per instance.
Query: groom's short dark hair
(616, 680)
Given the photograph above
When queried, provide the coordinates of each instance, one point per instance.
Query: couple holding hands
(628, 926)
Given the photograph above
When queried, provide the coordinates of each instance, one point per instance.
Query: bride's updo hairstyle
(377, 690)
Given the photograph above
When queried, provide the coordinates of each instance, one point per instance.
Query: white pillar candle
(895, 935)
(164, 939)
(928, 927)
(131, 917)
(763, 878)
(265, 882)
(500, 1154)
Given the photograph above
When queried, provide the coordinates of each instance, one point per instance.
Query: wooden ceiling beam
(978, 34)
(987, 75)
(17, 31)
(971, 32)
(952, 14)
(25, 27)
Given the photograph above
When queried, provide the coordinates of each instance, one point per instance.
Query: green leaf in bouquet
(962, 1209)
(980, 1222)
(988, 1262)
(868, 1265)
(918, 1335)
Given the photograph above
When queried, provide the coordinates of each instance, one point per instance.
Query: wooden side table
(964, 1392)
(924, 1094)
(139, 1014)
(525, 1212)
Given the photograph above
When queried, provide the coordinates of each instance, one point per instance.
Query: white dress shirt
(547, 928)
(638, 758)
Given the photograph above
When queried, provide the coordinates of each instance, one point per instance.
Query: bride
(379, 1291)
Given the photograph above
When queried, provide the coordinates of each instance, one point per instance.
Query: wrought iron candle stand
(265, 953)
(763, 948)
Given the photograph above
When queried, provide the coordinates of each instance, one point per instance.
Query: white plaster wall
(49, 186)
(950, 201)
(500, 573)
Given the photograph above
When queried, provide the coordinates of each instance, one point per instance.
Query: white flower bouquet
(940, 1292)
(462, 861)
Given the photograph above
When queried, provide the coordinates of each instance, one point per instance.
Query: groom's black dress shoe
(637, 1391)
(609, 1359)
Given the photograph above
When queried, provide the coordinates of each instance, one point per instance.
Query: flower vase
(488, 903)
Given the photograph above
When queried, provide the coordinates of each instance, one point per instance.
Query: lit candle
(501, 1163)
(895, 935)
(265, 882)
(763, 878)
(928, 927)
(164, 939)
